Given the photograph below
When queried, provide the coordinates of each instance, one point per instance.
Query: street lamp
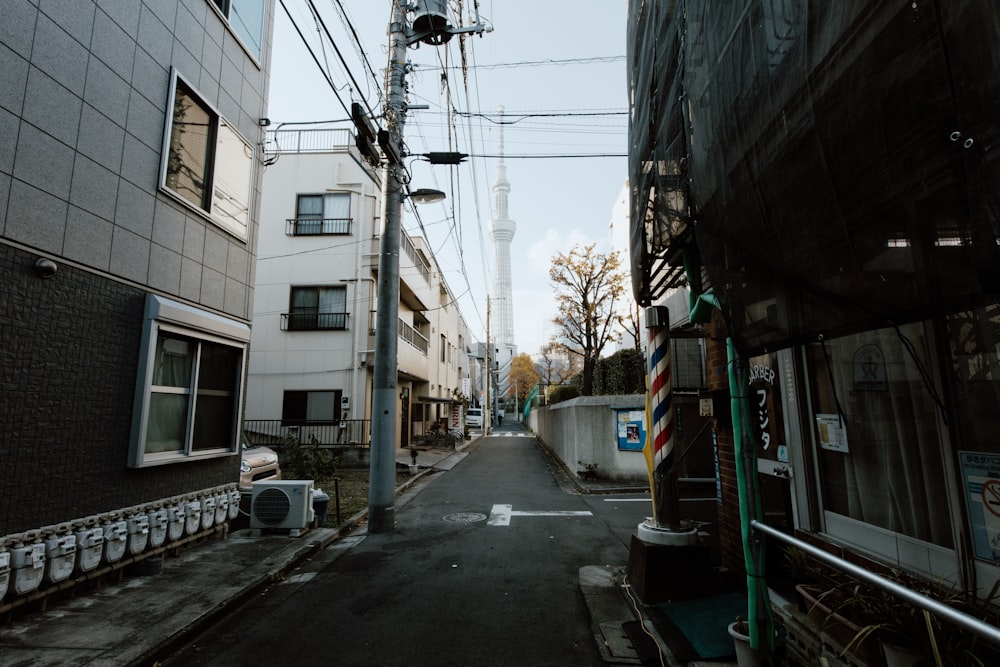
(426, 196)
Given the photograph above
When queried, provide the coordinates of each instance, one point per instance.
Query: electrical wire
(326, 76)
(635, 605)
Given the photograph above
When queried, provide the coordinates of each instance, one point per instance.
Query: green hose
(748, 492)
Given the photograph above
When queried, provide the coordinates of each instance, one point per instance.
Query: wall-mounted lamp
(45, 267)
(263, 122)
(426, 196)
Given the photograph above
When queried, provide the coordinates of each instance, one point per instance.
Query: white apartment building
(312, 345)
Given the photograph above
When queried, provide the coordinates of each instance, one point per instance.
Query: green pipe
(702, 305)
(748, 494)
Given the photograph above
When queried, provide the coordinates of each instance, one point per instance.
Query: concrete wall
(583, 431)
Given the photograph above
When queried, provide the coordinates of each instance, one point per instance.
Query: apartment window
(444, 348)
(207, 165)
(188, 390)
(315, 308)
(328, 213)
(298, 407)
(246, 18)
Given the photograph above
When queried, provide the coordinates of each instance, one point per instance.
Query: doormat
(704, 623)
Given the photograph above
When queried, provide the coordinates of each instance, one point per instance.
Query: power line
(539, 63)
(326, 76)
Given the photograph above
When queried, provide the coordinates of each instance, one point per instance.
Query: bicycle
(439, 431)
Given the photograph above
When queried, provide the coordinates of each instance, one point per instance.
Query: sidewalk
(136, 619)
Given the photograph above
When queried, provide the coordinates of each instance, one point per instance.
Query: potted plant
(745, 655)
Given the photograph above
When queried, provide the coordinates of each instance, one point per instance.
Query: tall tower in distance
(502, 233)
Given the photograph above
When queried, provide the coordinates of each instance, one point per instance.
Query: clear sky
(553, 57)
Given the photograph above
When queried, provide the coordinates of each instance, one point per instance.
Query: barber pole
(659, 451)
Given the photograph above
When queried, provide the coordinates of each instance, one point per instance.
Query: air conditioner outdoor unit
(281, 504)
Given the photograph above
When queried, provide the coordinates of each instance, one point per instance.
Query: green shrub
(563, 392)
(306, 460)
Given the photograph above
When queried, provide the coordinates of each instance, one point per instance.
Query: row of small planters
(34, 559)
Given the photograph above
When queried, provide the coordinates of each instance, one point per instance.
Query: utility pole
(431, 27)
(382, 490)
(487, 413)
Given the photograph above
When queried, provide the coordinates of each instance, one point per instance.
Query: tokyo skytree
(502, 233)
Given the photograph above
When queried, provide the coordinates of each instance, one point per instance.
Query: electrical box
(4, 573)
(281, 504)
(89, 548)
(138, 533)
(192, 517)
(175, 522)
(115, 540)
(208, 512)
(28, 563)
(60, 557)
(234, 504)
(221, 508)
(157, 527)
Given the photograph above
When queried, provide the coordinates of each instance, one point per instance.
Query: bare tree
(588, 286)
(631, 323)
(557, 366)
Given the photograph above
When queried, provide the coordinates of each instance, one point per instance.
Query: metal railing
(411, 251)
(317, 226)
(314, 321)
(974, 625)
(413, 337)
(273, 432)
(308, 141)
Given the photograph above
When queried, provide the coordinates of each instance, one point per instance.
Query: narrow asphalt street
(482, 569)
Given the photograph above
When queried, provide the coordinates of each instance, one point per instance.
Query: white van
(474, 417)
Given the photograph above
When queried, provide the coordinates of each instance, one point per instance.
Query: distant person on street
(500, 417)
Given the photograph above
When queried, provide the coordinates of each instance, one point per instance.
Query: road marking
(627, 500)
(501, 514)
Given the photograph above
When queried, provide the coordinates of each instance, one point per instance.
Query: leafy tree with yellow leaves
(589, 285)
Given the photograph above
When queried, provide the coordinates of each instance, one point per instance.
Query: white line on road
(626, 500)
(501, 514)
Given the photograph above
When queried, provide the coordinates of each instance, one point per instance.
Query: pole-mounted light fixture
(426, 196)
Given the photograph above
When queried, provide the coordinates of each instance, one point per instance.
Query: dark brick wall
(69, 346)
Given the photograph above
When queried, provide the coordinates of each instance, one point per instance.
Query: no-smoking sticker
(991, 496)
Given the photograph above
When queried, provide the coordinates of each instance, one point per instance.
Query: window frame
(295, 312)
(304, 395)
(222, 132)
(224, 9)
(321, 224)
(172, 317)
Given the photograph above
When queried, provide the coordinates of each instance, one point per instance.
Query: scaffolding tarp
(834, 163)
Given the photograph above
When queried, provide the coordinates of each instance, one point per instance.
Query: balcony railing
(308, 141)
(313, 321)
(406, 332)
(273, 432)
(411, 251)
(317, 226)
(413, 337)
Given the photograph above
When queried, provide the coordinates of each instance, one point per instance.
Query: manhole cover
(465, 517)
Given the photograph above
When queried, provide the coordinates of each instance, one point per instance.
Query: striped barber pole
(661, 397)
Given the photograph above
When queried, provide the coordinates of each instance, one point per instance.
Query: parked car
(258, 463)
(474, 417)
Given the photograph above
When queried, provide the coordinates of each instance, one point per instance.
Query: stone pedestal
(661, 573)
